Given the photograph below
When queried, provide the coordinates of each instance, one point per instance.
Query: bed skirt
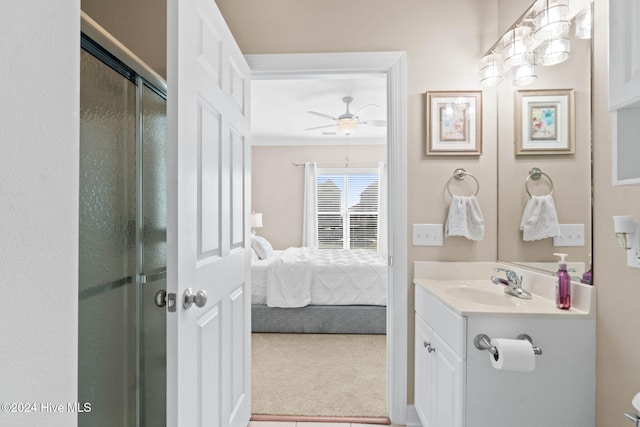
(320, 319)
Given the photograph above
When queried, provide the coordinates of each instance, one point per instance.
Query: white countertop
(481, 297)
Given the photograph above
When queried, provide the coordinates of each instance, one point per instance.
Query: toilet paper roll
(513, 355)
(636, 402)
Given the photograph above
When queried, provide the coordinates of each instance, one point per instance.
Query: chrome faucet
(512, 284)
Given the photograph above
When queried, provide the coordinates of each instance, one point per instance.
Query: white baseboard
(412, 417)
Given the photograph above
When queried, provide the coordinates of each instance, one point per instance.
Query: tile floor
(309, 424)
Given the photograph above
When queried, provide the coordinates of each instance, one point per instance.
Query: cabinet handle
(428, 346)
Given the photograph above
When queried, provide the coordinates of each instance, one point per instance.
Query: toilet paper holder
(633, 418)
(483, 342)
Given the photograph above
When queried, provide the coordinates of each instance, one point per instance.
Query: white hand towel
(539, 219)
(465, 218)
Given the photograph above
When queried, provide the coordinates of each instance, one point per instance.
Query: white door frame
(391, 64)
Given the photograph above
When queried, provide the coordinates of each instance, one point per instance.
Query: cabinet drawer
(450, 326)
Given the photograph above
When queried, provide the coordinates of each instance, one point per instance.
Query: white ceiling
(279, 109)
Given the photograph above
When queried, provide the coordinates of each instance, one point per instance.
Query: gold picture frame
(544, 122)
(454, 123)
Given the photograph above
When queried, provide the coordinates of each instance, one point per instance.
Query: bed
(306, 290)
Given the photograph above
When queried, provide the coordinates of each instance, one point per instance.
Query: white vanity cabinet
(624, 89)
(456, 385)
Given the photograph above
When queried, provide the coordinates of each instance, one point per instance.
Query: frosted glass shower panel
(107, 246)
(154, 257)
(154, 180)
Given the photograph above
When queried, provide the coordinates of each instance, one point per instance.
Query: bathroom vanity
(456, 384)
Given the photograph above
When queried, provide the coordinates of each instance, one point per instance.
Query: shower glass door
(122, 244)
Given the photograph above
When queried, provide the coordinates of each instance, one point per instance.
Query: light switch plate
(571, 235)
(427, 234)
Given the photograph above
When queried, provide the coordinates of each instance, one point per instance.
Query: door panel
(208, 376)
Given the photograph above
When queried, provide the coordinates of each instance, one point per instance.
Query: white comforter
(298, 277)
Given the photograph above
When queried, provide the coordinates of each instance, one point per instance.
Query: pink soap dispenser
(563, 284)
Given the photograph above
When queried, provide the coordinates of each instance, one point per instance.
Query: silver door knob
(189, 298)
(161, 298)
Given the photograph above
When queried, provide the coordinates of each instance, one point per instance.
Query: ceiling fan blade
(366, 106)
(321, 127)
(379, 123)
(326, 116)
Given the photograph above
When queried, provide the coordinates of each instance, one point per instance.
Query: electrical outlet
(427, 234)
(633, 258)
(570, 235)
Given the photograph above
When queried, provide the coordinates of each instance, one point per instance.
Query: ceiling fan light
(347, 126)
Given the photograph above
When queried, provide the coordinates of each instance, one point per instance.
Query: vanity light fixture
(584, 23)
(524, 74)
(551, 18)
(517, 46)
(491, 69)
(553, 51)
(537, 37)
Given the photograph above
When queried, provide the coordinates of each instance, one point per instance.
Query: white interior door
(208, 347)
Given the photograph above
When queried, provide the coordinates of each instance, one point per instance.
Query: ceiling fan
(348, 122)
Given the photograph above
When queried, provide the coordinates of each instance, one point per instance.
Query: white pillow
(254, 255)
(262, 247)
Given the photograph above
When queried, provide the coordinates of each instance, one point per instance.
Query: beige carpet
(319, 375)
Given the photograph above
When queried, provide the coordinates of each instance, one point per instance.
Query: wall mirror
(564, 163)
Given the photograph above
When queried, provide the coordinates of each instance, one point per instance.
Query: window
(347, 209)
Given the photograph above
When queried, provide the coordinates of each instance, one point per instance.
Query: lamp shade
(256, 220)
(554, 51)
(584, 23)
(551, 18)
(491, 69)
(524, 75)
(516, 44)
(347, 126)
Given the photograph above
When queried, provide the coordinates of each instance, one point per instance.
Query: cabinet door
(424, 374)
(624, 53)
(438, 380)
(448, 385)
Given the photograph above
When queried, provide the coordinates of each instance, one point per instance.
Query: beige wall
(277, 187)
(443, 41)
(140, 25)
(618, 286)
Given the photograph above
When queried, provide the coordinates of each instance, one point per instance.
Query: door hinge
(390, 261)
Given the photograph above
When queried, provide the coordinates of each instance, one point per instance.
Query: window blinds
(347, 210)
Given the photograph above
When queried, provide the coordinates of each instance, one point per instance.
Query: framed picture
(544, 121)
(454, 123)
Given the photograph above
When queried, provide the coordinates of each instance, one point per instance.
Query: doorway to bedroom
(320, 252)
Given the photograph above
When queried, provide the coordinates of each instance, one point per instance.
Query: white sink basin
(468, 297)
(485, 297)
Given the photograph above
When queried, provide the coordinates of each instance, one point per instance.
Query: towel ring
(535, 174)
(461, 174)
